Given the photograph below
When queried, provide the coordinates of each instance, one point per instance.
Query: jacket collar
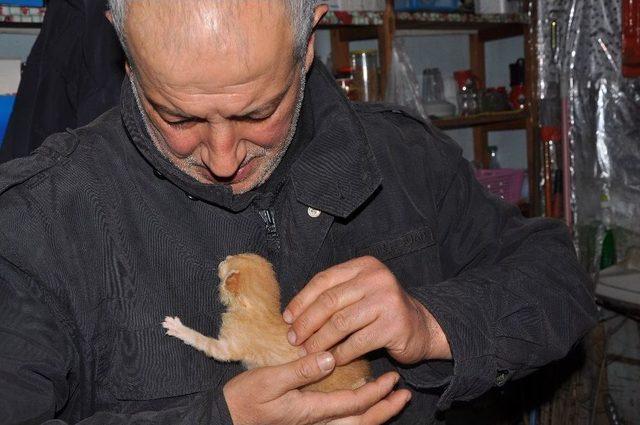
(335, 173)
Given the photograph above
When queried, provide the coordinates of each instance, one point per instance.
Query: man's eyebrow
(168, 110)
(267, 106)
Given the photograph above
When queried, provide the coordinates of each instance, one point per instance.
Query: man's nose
(224, 151)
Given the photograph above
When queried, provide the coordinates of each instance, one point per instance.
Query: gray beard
(160, 143)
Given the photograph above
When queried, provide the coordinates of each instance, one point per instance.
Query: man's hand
(270, 395)
(362, 301)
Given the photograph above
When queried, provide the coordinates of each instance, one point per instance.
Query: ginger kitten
(253, 330)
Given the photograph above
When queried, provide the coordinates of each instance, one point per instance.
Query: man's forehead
(198, 27)
(190, 17)
(213, 39)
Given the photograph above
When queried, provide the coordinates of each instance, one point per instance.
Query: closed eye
(184, 122)
(251, 118)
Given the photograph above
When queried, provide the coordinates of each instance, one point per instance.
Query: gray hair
(300, 11)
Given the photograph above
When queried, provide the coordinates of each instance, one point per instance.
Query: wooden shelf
(26, 28)
(461, 20)
(493, 121)
(352, 19)
(16, 19)
(489, 27)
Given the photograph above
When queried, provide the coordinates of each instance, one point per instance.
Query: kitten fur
(253, 330)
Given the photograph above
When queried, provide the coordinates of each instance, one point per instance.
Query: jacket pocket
(147, 364)
(408, 242)
(412, 256)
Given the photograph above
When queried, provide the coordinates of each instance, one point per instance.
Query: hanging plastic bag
(403, 88)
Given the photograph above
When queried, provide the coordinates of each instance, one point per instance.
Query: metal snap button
(501, 378)
(313, 213)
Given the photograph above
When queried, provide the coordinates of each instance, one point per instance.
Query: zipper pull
(268, 216)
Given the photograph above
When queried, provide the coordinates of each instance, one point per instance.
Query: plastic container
(26, 3)
(504, 182)
(433, 5)
(6, 106)
(498, 6)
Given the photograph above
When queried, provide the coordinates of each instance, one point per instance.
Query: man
(229, 139)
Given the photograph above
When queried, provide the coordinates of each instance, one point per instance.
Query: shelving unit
(480, 29)
(510, 120)
(21, 20)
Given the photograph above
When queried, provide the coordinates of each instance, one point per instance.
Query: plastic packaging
(580, 62)
(403, 88)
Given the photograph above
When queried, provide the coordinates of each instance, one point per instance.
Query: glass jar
(432, 85)
(347, 83)
(365, 74)
(468, 102)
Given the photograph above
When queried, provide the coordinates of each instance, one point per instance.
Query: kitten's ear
(232, 282)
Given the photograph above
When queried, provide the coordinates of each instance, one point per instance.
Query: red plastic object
(517, 97)
(462, 77)
(503, 182)
(631, 38)
(551, 133)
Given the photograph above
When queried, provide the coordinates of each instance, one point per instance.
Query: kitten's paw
(174, 326)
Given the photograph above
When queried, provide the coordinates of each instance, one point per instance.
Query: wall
(16, 46)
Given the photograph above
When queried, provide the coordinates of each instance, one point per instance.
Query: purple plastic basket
(503, 182)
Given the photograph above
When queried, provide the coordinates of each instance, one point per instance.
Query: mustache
(257, 152)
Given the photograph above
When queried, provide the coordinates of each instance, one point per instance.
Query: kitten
(253, 330)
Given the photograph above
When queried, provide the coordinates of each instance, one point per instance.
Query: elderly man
(229, 139)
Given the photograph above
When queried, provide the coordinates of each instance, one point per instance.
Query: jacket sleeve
(513, 298)
(39, 364)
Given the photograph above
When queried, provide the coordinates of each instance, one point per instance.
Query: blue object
(28, 3)
(432, 5)
(6, 106)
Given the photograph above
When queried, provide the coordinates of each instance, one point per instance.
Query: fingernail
(408, 398)
(396, 379)
(287, 316)
(302, 352)
(325, 361)
(291, 336)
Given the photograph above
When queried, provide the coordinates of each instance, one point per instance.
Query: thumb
(301, 372)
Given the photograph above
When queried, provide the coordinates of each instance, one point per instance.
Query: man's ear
(318, 14)
(109, 16)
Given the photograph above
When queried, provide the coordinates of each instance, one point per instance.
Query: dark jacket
(101, 238)
(72, 76)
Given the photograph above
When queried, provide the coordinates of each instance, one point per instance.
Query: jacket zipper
(268, 216)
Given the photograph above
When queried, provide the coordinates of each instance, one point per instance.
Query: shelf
(20, 27)
(489, 27)
(357, 19)
(21, 20)
(462, 20)
(509, 120)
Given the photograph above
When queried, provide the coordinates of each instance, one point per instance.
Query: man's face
(218, 83)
